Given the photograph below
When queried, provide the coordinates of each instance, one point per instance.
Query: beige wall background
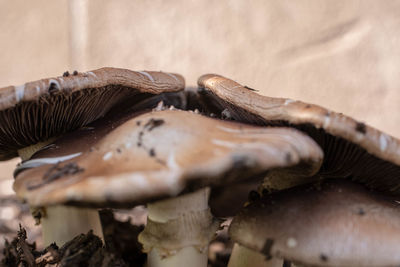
(340, 54)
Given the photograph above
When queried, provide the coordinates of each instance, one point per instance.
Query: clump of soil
(121, 239)
(121, 248)
(18, 252)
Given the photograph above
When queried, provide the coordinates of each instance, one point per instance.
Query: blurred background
(341, 54)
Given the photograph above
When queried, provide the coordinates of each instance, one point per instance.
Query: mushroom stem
(61, 223)
(242, 257)
(179, 230)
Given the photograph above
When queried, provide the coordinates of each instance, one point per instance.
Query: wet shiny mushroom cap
(352, 149)
(160, 154)
(337, 223)
(40, 110)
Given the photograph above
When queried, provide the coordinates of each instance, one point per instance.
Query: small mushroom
(334, 223)
(33, 115)
(167, 159)
(352, 149)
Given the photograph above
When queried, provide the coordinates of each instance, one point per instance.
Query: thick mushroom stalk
(179, 230)
(61, 224)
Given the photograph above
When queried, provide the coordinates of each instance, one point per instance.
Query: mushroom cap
(337, 223)
(352, 149)
(159, 154)
(37, 111)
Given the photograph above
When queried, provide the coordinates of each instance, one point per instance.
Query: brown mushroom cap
(37, 111)
(337, 223)
(161, 154)
(352, 149)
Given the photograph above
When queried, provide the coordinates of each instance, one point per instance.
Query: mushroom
(333, 223)
(33, 115)
(352, 149)
(167, 159)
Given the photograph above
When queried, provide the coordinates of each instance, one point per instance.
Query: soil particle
(267, 248)
(288, 157)
(121, 239)
(140, 139)
(286, 263)
(251, 89)
(59, 171)
(56, 172)
(153, 123)
(75, 73)
(149, 126)
(201, 90)
(361, 128)
(361, 211)
(38, 214)
(80, 250)
(66, 74)
(226, 115)
(53, 88)
(323, 257)
(160, 106)
(253, 196)
(221, 259)
(49, 256)
(265, 192)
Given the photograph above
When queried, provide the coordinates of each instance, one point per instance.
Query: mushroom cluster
(343, 215)
(114, 138)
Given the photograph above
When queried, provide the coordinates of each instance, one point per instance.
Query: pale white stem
(178, 231)
(244, 257)
(62, 223)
